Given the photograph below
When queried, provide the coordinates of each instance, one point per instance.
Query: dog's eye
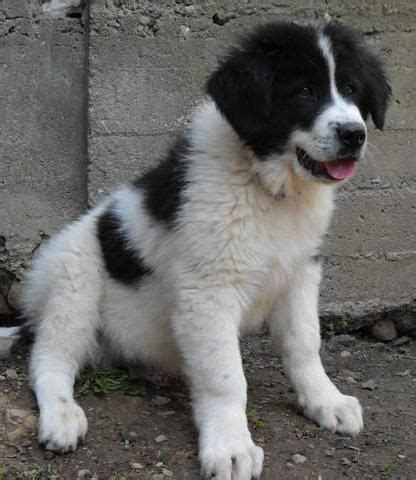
(305, 92)
(347, 90)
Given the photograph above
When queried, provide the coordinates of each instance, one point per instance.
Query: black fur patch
(259, 85)
(121, 262)
(163, 185)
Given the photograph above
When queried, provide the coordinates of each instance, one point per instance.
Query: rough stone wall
(147, 64)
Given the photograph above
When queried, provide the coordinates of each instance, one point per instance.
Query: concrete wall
(147, 64)
(43, 147)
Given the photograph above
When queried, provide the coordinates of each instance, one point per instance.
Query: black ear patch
(377, 91)
(241, 89)
(351, 52)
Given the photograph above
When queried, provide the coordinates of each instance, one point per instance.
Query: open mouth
(336, 170)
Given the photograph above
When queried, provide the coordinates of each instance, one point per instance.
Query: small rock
(16, 416)
(189, 10)
(167, 413)
(2, 378)
(16, 434)
(6, 344)
(401, 341)
(344, 339)
(298, 458)
(401, 456)
(184, 32)
(48, 455)
(350, 380)
(143, 20)
(26, 443)
(137, 466)
(345, 354)
(158, 400)
(160, 439)
(11, 374)
(30, 422)
(346, 461)
(383, 330)
(405, 373)
(84, 474)
(369, 385)
(157, 476)
(132, 435)
(167, 473)
(13, 297)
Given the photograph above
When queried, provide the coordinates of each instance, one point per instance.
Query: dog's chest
(270, 232)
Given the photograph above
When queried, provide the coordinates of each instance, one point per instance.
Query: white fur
(239, 256)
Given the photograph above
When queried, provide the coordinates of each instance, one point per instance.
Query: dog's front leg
(295, 331)
(206, 328)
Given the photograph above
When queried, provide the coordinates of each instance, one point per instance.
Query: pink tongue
(341, 169)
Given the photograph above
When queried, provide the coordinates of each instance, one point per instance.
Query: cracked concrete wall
(148, 63)
(43, 154)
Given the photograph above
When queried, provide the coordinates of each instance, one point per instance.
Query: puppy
(219, 240)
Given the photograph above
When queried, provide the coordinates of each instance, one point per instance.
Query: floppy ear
(378, 92)
(241, 89)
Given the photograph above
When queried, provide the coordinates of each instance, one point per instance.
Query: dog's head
(303, 93)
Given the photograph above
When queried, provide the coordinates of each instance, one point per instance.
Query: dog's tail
(19, 330)
(13, 332)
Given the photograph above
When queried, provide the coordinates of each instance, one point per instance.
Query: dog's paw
(343, 414)
(231, 459)
(61, 426)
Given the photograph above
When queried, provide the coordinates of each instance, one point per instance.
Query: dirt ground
(139, 431)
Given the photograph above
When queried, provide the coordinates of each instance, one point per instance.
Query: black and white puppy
(216, 242)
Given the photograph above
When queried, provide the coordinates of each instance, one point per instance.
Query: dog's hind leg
(65, 323)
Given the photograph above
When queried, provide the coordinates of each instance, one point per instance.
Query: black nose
(352, 135)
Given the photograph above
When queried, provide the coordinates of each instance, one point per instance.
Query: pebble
(345, 339)
(16, 416)
(84, 474)
(6, 344)
(190, 10)
(48, 455)
(159, 400)
(350, 380)
(167, 473)
(132, 435)
(16, 434)
(143, 20)
(404, 373)
(2, 378)
(383, 330)
(160, 439)
(184, 32)
(298, 458)
(15, 292)
(369, 385)
(401, 341)
(11, 374)
(345, 354)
